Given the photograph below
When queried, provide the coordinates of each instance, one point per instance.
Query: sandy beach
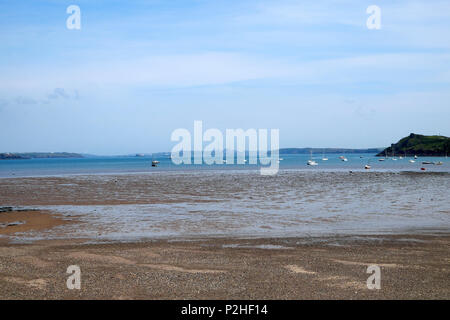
(411, 268)
(97, 223)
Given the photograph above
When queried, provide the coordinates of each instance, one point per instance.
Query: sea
(136, 164)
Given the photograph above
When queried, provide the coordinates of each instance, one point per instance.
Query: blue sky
(137, 70)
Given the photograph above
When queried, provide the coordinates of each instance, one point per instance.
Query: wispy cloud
(25, 100)
(58, 93)
(216, 68)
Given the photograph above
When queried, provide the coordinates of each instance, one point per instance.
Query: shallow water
(294, 203)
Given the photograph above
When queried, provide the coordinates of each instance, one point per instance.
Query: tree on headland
(420, 145)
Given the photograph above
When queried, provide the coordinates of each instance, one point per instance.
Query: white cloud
(217, 68)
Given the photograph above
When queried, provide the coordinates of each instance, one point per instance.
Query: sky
(137, 70)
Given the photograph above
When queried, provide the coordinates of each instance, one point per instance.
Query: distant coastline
(38, 155)
(414, 144)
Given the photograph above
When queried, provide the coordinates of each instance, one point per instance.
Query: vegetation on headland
(420, 145)
(38, 155)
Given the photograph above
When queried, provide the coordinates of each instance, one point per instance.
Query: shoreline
(246, 170)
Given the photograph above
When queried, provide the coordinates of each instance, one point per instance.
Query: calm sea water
(105, 165)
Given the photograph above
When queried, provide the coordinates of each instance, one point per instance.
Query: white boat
(412, 161)
(382, 159)
(324, 158)
(311, 162)
(415, 157)
(393, 155)
(367, 167)
(439, 163)
(154, 163)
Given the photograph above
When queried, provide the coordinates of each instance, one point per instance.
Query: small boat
(423, 169)
(342, 157)
(400, 158)
(324, 159)
(393, 155)
(439, 163)
(415, 157)
(367, 167)
(385, 156)
(427, 162)
(155, 163)
(412, 161)
(311, 162)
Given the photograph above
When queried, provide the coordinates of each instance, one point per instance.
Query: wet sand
(414, 265)
(236, 204)
(335, 268)
(13, 222)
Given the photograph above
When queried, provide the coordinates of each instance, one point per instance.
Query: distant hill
(36, 155)
(10, 156)
(327, 150)
(420, 145)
